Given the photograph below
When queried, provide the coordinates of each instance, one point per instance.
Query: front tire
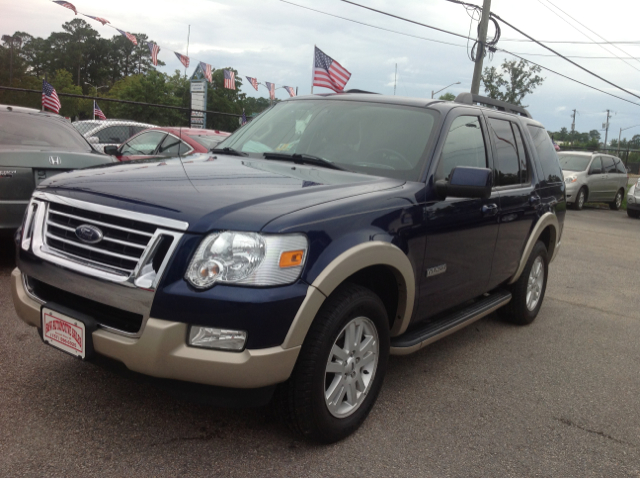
(581, 199)
(632, 213)
(528, 291)
(340, 368)
(617, 201)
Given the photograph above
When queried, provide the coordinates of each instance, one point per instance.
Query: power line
(576, 42)
(582, 33)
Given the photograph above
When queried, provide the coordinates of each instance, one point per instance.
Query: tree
(516, 80)
(447, 97)
(594, 135)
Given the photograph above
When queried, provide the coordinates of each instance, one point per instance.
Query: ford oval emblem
(89, 234)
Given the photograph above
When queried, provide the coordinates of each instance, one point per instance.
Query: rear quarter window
(546, 153)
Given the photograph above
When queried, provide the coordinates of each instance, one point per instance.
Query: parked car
(633, 200)
(167, 142)
(34, 146)
(101, 133)
(331, 231)
(593, 177)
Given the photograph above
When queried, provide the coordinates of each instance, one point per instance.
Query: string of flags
(154, 49)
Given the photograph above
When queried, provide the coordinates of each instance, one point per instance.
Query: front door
(461, 232)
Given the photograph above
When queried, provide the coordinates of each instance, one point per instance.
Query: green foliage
(447, 97)
(70, 107)
(516, 80)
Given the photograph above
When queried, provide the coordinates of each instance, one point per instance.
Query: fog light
(215, 338)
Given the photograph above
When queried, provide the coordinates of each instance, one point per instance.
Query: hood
(31, 158)
(214, 191)
(567, 173)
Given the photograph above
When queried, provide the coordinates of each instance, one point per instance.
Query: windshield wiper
(303, 158)
(227, 151)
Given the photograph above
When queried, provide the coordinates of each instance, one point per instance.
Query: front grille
(120, 250)
(104, 314)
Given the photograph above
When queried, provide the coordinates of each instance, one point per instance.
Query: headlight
(253, 259)
(570, 179)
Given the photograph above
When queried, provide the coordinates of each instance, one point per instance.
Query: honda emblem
(54, 160)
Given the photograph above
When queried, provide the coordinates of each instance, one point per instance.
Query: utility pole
(573, 121)
(606, 130)
(482, 40)
(395, 80)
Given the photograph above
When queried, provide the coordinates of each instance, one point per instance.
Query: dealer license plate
(63, 332)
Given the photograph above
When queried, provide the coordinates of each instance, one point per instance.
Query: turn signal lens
(288, 259)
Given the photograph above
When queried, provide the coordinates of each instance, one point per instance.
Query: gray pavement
(558, 398)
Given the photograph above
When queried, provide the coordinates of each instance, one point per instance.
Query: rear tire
(581, 199)
(528, 291)
(617, 201)
(312, 400)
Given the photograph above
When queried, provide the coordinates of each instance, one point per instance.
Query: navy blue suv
(328, 233)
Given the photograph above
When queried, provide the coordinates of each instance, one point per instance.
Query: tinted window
(522, 154)
(143, 144)
(464, 146)
(619, 166)
(608, 164)
(172, 146)
(508, 164)
(596, 165)
(113, 134)
(38, 130)
(208, 141)
(574, 162)
(137, 129)
(546, 154)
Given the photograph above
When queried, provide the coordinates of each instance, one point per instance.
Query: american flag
(229, 79)
(50, 97)
(206, 71)
(272, 89)
(154, 49)
(290, 90)
(183, 59)
(133, 39)
(67, 5)
(97, 111)
(244, 118)
(254, 82)
(329, 73)
(104, 21)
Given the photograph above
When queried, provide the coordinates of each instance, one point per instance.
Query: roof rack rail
(355, 90)
(471, 99)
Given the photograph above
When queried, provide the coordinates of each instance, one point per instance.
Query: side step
(428, 332)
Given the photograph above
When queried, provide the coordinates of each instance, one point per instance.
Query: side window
(596, 166)
(113, 134)
(464, 146)
(172, 146)
(546, 153)
(508, 163)
(522, 155)
(143, 144)
(608, 165)
(620, 166)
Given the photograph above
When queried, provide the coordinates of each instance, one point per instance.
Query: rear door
(596, 180)
(611, 178)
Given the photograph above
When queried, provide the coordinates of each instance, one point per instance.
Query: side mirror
(111, 150)
(94, 140)
(466, 182)
(596, 171)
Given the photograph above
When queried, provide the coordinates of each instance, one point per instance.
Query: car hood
(567, 173)
(214, 191)
(38, 158)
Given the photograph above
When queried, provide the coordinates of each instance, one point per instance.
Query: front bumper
(161, 351)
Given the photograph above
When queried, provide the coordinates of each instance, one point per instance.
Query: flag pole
(313, 65)
(188, 37)
(94, 106)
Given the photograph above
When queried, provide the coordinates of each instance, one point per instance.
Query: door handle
(490, 209)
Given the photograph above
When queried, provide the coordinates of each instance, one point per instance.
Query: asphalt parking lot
(558, 398)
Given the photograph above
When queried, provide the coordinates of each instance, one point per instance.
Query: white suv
(101, 133)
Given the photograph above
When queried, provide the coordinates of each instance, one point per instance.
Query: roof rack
(471, 99)
(355, 90)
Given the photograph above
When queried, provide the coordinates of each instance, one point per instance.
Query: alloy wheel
(535, 283)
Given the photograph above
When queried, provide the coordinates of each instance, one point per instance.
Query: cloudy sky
(273, 41)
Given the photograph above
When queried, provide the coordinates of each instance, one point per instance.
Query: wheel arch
(360, 264)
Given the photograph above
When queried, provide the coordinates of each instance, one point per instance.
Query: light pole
(620, 134)
(434, 92)
(94, 101)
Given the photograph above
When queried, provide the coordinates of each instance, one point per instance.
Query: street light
(620, 134)
(97, 88)
(433, 93)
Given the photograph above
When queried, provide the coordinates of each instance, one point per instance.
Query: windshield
(208, 141)
(371, 138)
(41, 131)
(574, 162)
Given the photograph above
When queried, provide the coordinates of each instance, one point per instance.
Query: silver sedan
(593, 177)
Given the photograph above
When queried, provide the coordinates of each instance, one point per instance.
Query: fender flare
(546, 220)
(362, 256)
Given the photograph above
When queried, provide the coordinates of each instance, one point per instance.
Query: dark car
(34, 146)
(328, 233)
(167, 142)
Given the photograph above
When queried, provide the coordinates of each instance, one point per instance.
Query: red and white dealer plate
(63, 332)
